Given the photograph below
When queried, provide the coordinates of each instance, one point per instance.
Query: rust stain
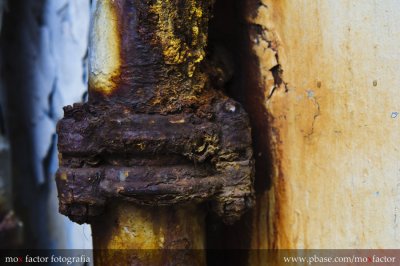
(270, 218)
(140, 159)
(147, 236)
(264, 46)
(160, 65)
(164, 135)
(107, 153)
(325, 124)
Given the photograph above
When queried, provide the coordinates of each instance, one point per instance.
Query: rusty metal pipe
(157, 138)
(146, 54)
(126, 67)
(138, 235)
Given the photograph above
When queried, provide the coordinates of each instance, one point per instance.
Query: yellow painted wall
(335, 141)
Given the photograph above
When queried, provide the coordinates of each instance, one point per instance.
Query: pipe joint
(111, 152)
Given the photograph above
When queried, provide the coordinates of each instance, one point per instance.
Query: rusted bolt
(110, 152)
(155, 131)
(230, 107)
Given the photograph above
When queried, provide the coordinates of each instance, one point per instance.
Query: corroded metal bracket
(111, 152)
(158, 133)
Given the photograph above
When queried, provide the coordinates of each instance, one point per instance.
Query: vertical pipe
(145, 55)
(138, 235)
(156, 131)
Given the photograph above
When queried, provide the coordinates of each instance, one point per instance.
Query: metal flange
(111, 152)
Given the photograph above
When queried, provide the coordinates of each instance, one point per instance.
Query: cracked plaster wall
(328, 75)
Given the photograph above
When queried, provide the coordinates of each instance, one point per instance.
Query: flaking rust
(162, 134)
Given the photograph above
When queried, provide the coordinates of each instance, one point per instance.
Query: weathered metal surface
(156, 138)
(109, 153)
(151, 54)
(156, 130)
(150, 236)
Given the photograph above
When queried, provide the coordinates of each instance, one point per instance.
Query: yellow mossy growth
(187, 21)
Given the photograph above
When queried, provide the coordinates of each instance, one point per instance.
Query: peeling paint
(43, 44)
(328, 122)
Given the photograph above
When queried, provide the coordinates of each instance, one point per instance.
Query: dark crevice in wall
(230, 30)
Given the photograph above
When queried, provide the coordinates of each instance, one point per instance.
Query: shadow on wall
(231, 30)
(43, 68)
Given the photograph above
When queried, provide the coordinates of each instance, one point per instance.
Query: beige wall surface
(334, 132)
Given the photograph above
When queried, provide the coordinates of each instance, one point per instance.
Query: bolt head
(230, 107)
